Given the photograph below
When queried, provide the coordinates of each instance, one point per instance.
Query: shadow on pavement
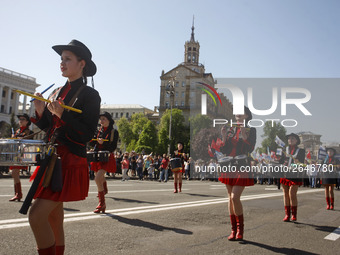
(279, 250)
(202, 195)
(145, 224)
(132, 200)
(71, 210)
(319, 228)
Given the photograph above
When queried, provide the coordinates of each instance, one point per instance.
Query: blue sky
(133, 41)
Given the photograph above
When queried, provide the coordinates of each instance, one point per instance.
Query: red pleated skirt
(75, 174)
(288, 182)
(236, 179)
(109, 166)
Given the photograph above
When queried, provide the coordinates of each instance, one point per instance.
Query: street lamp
(170, 90)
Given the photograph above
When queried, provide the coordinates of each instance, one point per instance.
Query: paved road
(145, 217)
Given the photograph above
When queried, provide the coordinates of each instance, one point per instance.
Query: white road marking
(334, 235)
(133, 191)
(22, 222)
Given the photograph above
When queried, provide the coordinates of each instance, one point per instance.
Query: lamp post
(170, 90)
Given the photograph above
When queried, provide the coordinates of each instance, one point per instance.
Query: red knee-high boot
(332, 203)
(240, 227)
(101, 206)
(59, 250)
(233, 228)
(180, 187)
(47, 251)
(328, 203)
(18, 192)
(287, 211)
(105, 188)
(175, 185)
(294, 213)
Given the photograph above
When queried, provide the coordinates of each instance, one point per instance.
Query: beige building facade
(185, 81)
(9, 99)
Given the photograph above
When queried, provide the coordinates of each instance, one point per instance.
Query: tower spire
(192, 39)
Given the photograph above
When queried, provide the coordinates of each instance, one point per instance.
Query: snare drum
(21, 152)
(241, 160)
(98, 156)
(176, 164)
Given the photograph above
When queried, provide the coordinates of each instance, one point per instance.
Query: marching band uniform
(71, 131)
(329, 178)
(108, 133)
(234, 144)
(23, 131)
(179, 154)
(298, 154)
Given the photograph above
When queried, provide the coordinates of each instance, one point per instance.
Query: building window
(192, 94)
(183, 83)
(194, 49)
(12, 95)
(167, 95)
(121, 114)
(3, 93)
(182, 103)
(10, 110)
(2, 108)
(176, 95)
(127, 115)
(116, 114)
(189, 48)
(177, 84)
(183, 94)
(176, 104)
(167, 104)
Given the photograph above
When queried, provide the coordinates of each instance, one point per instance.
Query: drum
(98, 156)
(21, 152)
(225, 160)
(176, 164)
(91, 156)
(241, 160)
(103, 156)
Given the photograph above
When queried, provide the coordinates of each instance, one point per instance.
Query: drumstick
(43, 92)
(104, 140)
(48, 101)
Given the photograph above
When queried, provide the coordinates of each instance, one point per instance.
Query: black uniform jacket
(110, 134)
(79, 128)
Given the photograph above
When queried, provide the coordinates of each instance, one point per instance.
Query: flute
(48, 101)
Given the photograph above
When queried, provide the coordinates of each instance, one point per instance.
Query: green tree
(270, 131)
(148, 139)
(179, 132)
(125, 131)
(198, 123)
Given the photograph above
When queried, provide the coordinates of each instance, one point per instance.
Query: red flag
(309, 156)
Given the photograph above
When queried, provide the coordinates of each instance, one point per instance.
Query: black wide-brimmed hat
(296, 136)
(25, 115)
(331, 149)
(108, 116)
(81, 51)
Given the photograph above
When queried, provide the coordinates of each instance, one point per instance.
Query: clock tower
(192, 49)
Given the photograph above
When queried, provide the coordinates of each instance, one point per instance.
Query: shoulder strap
(75, 97)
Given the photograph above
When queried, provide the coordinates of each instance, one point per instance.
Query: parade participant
(125, 166)
(290, 184)
(70, 131)
(23, 131)
(329, 178)
(105, 140)
(179, 153)
(236, 141)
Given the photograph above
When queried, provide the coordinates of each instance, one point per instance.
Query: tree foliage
(179, 132)
(270, 131)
